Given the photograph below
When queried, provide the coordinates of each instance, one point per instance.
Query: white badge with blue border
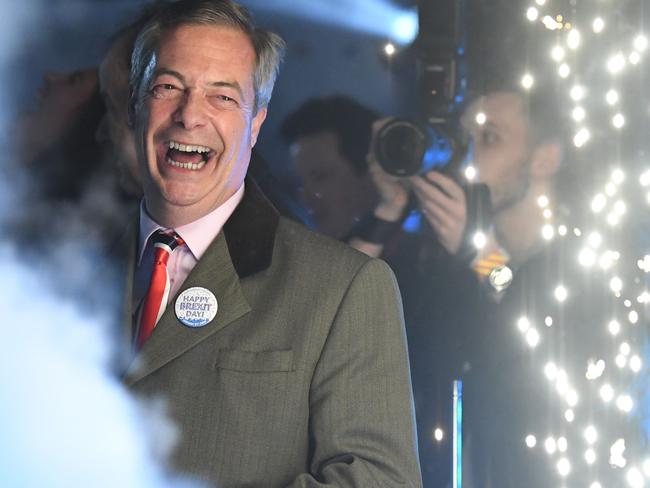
(196, 307)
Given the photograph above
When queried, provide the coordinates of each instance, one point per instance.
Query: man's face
(330, 186)
(114, 132)
(196, 128)
(501, 149)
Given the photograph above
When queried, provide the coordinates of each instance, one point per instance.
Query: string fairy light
(594, 39)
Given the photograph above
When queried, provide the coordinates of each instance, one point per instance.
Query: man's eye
(165, 90)
(223, 100)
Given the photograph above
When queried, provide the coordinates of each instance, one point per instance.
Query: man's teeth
(188, 147)
(186, 165)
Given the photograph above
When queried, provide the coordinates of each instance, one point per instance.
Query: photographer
(455, 313)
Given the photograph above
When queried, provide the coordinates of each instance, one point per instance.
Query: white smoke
(66, 420)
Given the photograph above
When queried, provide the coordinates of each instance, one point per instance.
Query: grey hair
(269, 47)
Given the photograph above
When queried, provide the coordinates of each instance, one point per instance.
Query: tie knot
(166, 239)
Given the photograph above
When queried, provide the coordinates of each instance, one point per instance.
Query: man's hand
(393, 193)
(443, 204)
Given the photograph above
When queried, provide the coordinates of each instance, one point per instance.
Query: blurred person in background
(328, 139)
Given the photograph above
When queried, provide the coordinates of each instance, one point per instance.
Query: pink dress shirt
(198, 235)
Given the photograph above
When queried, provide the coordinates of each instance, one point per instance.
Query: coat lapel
(243, 248)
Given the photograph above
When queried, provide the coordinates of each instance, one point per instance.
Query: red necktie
(155, 301)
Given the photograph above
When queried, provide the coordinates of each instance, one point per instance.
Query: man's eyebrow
(171, 72)
(228, 84)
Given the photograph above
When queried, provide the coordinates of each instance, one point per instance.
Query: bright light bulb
(562, 230)
(618, 120)
(577, 93)
(595, 484)
(606, 392)
(618, 176)
(569, 415)
(578, 114)
(634, 58)
(550, 370)
(548, 232)
(572, 398)
(480, 240)
(616, 284)
(620, 207)
(612, 97)
(634, 478)
(532, 337)
(550, 445)
(532, 14)
(621, 361)
(438, 434)
(563, 467)
(635, 363)
(527, 81)
(523, 324)
(625, 403)
(598, 25)
(389, 49)
(587, 257)
(590, 456)
(548, 321)
(564, 70)
(616, 63)
(470, 173)
(641, 43)
(625, 349)
(540, 2)
(542, 201)
(633, 317)
(591, 434)
(531, 441)
(598, 203)
(573, 39)
(644, 179)
(561, 293)
(595, 239)
(481, 118)
(581, 137)
(614, 327)
(562, 444)
(617, 454)
(558, 53)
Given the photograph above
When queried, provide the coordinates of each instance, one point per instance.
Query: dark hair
(542, 103)
(349, 120)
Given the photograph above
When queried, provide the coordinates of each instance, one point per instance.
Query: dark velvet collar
(250, 231)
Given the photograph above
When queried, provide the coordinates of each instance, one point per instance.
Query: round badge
(501, 277)
(196, 307)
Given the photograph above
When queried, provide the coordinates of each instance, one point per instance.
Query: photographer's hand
(393, 197)
(443, 204)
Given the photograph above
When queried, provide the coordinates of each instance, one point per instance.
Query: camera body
(405, 147)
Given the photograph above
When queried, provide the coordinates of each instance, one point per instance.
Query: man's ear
(546, 160)
(256, 125)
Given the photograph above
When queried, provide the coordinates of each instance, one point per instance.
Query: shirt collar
(198, 234)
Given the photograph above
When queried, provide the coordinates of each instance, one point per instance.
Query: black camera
(405, 148)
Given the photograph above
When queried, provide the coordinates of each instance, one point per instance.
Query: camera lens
(405, 148)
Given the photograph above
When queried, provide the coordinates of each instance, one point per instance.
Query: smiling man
(281, 353)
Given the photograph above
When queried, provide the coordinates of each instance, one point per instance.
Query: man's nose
(191, 111)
